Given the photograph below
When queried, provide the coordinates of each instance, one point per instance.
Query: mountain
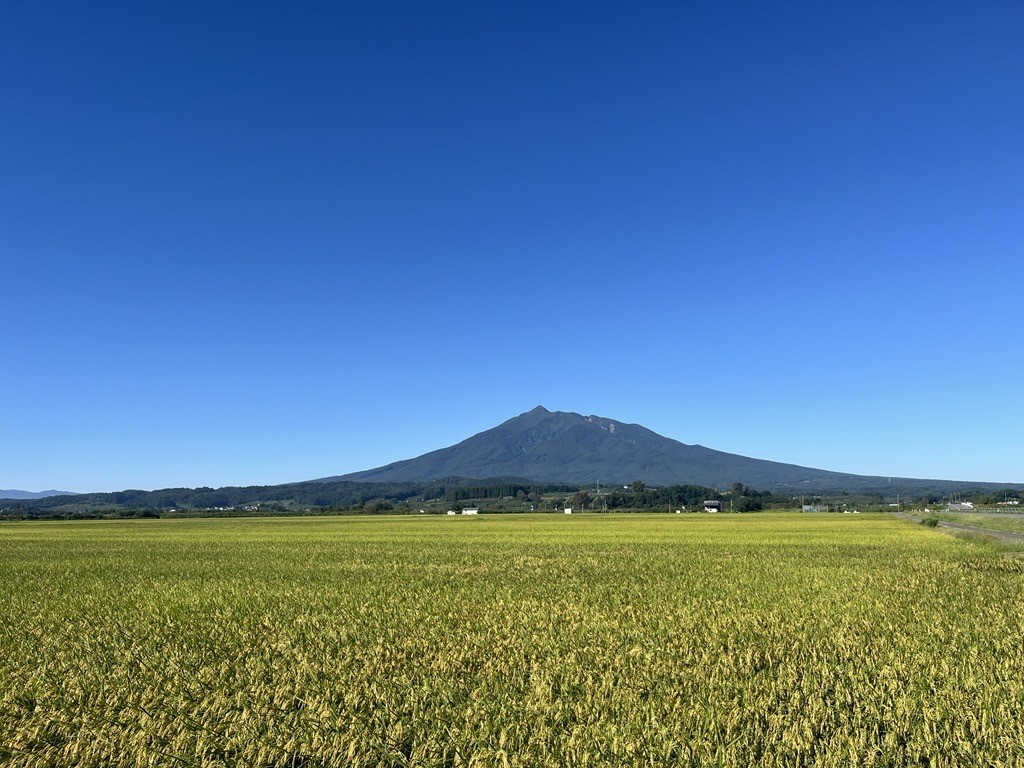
(548, 451)
(570, 448)
(13, 494)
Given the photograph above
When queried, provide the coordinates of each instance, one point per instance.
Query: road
(1004, 535)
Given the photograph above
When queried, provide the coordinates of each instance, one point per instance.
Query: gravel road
(1005, 535)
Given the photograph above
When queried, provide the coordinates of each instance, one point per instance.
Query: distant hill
(289, 496)
(14, 494)
(548, 446)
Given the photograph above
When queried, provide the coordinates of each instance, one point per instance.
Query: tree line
(332, 496)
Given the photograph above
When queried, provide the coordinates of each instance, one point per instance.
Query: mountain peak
(563, 446)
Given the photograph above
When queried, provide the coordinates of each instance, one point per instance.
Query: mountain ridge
(12, 493)
(561, 446)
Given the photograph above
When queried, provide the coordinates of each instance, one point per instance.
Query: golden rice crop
(778, 640)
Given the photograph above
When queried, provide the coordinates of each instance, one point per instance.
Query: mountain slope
(567, 447)
(14, 494)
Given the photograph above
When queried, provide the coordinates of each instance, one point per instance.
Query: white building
(568, 510)
(471, 511)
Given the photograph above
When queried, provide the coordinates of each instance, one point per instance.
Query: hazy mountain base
(12, 493)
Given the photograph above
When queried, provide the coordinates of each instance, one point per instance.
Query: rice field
(530, 640)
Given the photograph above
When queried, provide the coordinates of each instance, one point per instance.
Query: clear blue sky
(247, 243)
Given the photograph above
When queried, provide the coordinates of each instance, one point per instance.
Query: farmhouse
(471, 511)
(713, 505)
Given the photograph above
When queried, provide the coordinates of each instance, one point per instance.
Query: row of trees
(521, 491)
(337, 496)
(637, 495)
(453, 493)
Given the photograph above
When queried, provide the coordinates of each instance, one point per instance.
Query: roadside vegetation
(1014, 524)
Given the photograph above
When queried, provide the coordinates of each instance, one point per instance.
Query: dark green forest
(341, 496)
